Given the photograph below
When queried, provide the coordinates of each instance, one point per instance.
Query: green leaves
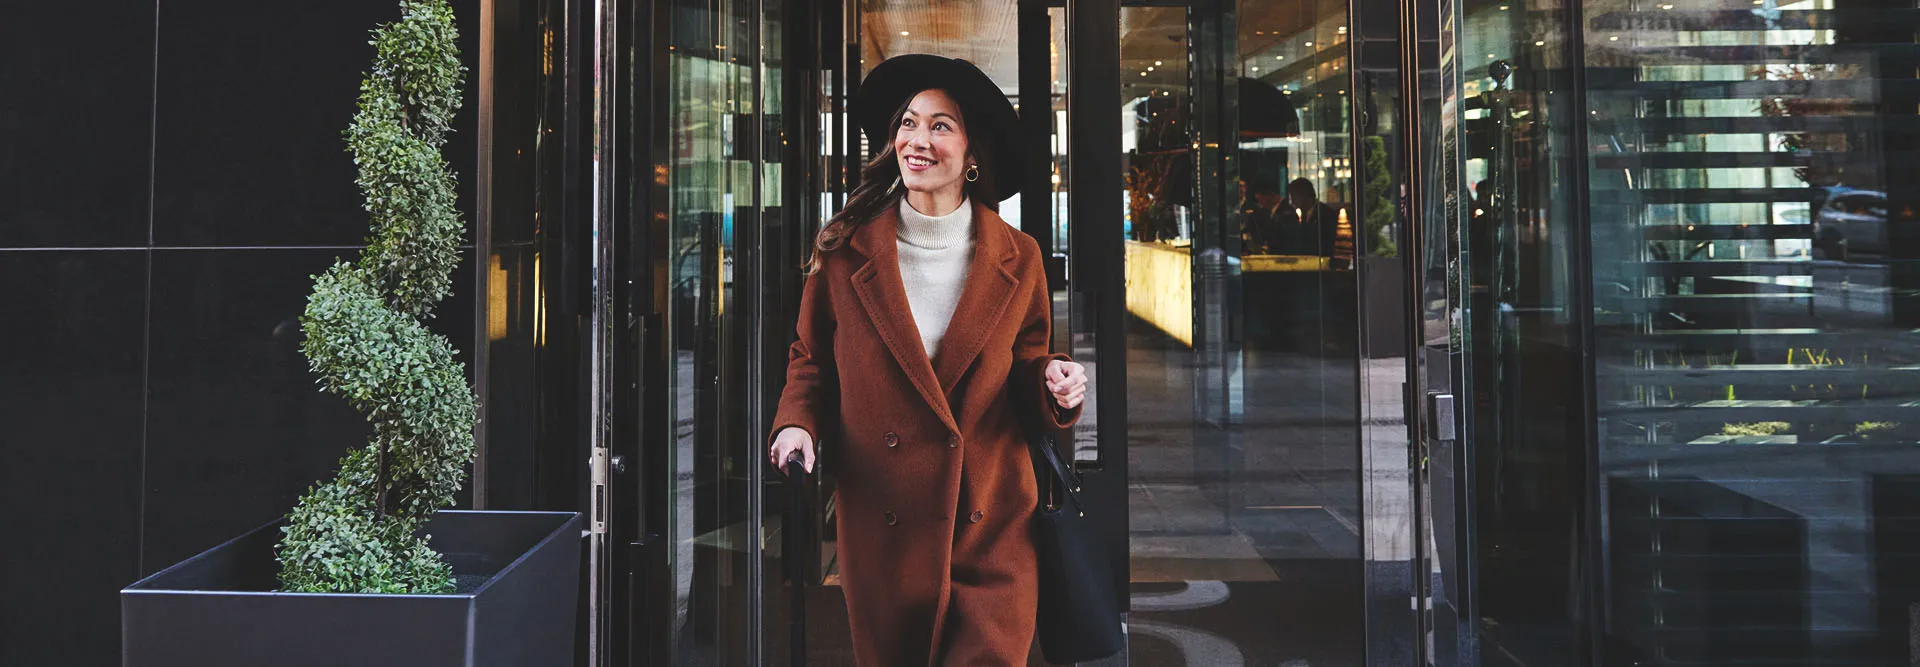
(365, 336)
(1378, 188)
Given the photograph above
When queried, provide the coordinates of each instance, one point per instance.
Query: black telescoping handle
(794, 545)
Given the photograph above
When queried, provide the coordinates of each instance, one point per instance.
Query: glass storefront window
(1753, 179)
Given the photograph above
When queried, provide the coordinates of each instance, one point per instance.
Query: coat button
(891, 519)
(893, 440)
(953, 441)
(976, 516)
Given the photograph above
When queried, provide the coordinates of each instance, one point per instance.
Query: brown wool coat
(935, 486)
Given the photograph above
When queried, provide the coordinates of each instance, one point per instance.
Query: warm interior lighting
(496, 298)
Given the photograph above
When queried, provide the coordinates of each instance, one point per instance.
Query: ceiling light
(1309, 43)
(1156, 63)
(1540, 43)
(904, 33)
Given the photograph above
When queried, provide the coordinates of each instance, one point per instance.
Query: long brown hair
(880, 188)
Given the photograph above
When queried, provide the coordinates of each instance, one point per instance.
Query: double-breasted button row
(976, 517)
(893, 440)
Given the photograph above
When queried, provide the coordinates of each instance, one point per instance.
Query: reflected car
(1850, 225)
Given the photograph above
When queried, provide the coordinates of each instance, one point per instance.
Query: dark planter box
(519, 574)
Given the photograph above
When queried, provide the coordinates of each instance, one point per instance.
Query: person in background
(1315, 225)
(1262, 211)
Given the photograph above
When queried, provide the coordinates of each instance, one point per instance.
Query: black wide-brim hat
(992, 126)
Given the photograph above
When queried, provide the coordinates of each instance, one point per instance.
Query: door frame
(633, 299)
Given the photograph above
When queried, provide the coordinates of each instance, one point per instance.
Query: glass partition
(721, 178)
(1503, 240)
(1754, 181)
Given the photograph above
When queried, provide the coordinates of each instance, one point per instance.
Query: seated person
(1307, 226)
(1261, 213)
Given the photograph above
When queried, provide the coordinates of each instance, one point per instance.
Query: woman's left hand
(1068, 383)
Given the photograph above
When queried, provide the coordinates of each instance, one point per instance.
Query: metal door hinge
(1441, 421)
(597, 472)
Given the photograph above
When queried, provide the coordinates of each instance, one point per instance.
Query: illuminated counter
(1160, 282)
(1160, 287)
(1278, 263)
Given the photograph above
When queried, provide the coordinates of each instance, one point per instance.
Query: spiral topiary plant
(367, 340)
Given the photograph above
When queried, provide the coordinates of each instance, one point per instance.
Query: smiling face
(931, 145)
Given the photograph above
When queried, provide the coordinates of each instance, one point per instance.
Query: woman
(922, 366)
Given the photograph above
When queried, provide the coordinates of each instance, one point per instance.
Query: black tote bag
(1079, 608)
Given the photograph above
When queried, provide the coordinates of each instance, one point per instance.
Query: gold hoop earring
(973, 173)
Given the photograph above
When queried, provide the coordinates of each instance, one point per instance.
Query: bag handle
(1043, 448)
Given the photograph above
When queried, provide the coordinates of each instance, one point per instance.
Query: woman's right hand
(789, 441)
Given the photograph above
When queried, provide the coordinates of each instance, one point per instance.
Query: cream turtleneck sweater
(934, 252)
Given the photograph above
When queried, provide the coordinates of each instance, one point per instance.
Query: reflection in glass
(1507, 496)
(1753, 180)
(717, 175)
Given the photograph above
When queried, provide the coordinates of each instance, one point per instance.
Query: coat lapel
(884, 297)
(983, 300)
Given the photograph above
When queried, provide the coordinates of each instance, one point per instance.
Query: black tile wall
(159, 224)
(76, 102)
(237, 429)
(253, 100)
(70, 407)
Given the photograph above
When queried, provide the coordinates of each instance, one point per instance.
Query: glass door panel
(721, 177)
(1502, 244)
(1243, 454)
